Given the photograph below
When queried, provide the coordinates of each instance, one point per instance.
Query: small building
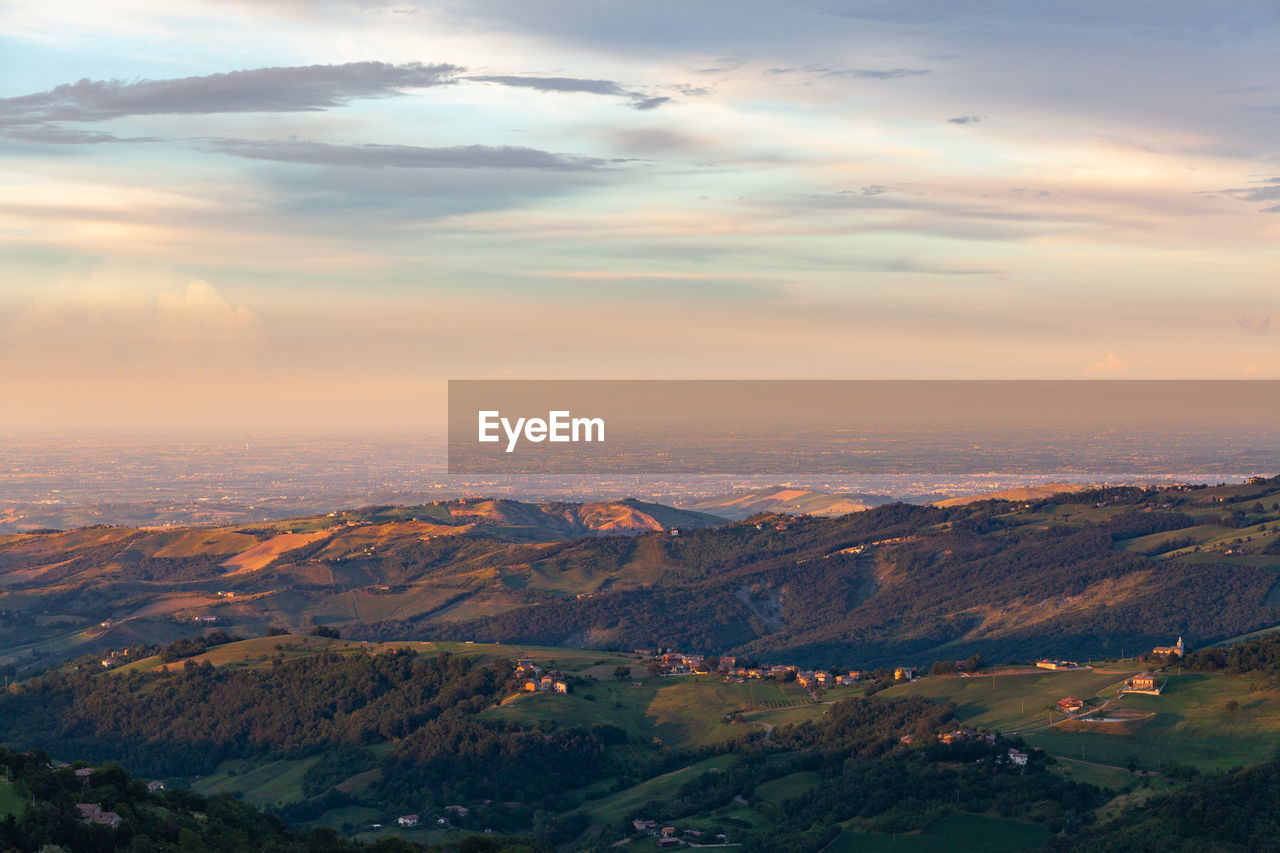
(460, 811)
(1070, 705)
(1018, 758)
(1175, 651)
(649, 826)
(92, 813)
(155, 785)
(1143, 683)
(904, 673)
(408, 820)
(561, 686)
(1058, 664)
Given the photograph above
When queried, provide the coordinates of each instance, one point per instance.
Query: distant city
(61, 481)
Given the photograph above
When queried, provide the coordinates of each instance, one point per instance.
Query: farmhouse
(1143, 683)
(1057, 664)
(1070, 705)
(1018, 758)
(92, 813)
(904, 673)
(407, 820)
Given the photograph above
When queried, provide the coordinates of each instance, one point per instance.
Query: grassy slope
(1191, 726)
(962, 833)
(1016, 701)
(1191, 723)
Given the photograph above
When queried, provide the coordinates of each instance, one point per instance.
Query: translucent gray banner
(788, 427)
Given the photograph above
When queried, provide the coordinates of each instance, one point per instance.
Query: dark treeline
(1232, 812)
(1260, 655)
(187, 721)
(173, 821)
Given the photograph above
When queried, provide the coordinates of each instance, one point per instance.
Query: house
(92, 813)
(1176, 650)
(460, 811)
(1018, 758)
(957, 735)
(668, 841)
(668, 831)
(1057, 664)
(1070, 705)
(561, 686)
(904, 673)
(531, 686)
(649, 826)
(1143, 683)
(155, 785)
(821, 676)
(407, 820)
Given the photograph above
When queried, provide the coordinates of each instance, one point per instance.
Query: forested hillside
(1082, 575)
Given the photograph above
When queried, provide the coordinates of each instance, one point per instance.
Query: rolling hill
(785, 499)
(1083, 574)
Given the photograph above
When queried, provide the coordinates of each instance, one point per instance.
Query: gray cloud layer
(639, 100)
(403, 156)
(310, 87)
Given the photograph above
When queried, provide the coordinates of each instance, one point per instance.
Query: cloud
(555, 84)
(109, 326)
(373, 156)
(967, 119)
(650, 103)
(1110, 364)
(200, 315)
(1259, 325)
(56, 134)
(1267, 190)
(639, 100)
(284, 89)
(872, 73)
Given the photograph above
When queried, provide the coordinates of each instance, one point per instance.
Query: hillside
(1022, 493)
(1085, 574)
(784, 499)
(339, 737)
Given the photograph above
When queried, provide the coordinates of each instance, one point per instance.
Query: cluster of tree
(1231, 812)
(335, 706)
(287, 708)
(189, 647)
(866, 727)
(172, 820)
(1260, 655)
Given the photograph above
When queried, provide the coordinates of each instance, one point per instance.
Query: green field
(783, 789)
(958, 832)
(11, 802)
(613, 808)
(1191, 725)
(268, 784)
(1010, 702)
(681, 712)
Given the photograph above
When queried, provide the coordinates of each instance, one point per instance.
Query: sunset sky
(293, 213)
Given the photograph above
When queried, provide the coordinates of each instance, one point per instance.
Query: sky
(294, 214)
